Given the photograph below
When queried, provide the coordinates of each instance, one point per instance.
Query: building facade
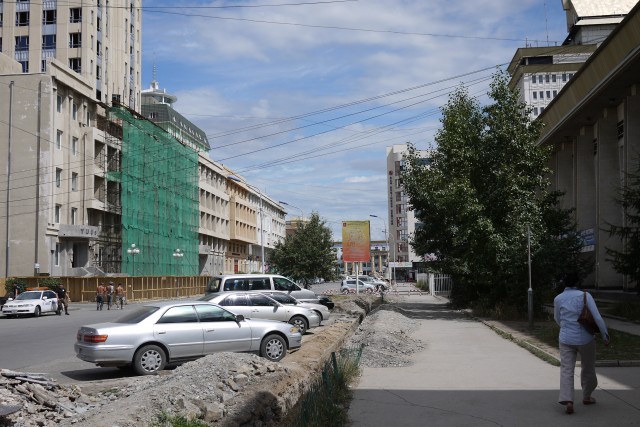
(402, 221)
(593, 127)
(99, 40)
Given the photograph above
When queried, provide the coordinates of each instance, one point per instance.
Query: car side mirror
(45, 298)
(239, 318)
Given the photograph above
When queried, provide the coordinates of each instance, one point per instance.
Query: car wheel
(36, 312)
(369, 291)
(345, 291)
(300, 322)
(273, 348)
(149, 360)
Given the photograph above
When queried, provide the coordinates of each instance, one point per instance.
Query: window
(541, 94)
(180, 314)
(58, 139)
(555, 93)
(548, 94)
(235, 301)
(564, 77)
(533, 78)
(43, 65)
(74, 181)
(98, 72)
(74, 111)
(209, 313)
(535, 111)
(22, 19)
(56, 255)
(58, 177)
(260, 301)
(75, 64)
(22, 43)
(75, 39)
(535, 95)
(75, 14)
(56, 214)
(553, 78)
(49, 17)
(25, 66)
(74, 216)
(570, 75)
(49, 41)
(74, 146)
(59, 103)
(546, 78)
(99, 48)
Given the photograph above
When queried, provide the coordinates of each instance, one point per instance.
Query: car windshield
(138, 315)
(29, 295)
(283, 298)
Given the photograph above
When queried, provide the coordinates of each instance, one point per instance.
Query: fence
(439, 284)
(83, 289)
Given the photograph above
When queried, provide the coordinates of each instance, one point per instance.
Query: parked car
(377, 283)
(286, 299)
(326, 301)
(167, 333)
(259, 283)
(254, 305)
(349, 286)
(32, 303)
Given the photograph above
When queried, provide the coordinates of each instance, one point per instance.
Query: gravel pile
(386, 337)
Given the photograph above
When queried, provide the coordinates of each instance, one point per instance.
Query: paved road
(468, 375)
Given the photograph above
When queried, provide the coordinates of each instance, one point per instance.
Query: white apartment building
(98, 39)
(540, 73)
(402, 221)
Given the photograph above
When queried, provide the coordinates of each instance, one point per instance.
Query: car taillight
(95, 338)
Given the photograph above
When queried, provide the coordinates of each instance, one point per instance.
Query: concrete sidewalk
(468, 375)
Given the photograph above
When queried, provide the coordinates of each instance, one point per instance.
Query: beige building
(98, 39)
(593, 127)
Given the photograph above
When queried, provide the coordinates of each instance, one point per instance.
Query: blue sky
(302, 98)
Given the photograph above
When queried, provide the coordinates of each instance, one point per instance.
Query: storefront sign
(79, 231)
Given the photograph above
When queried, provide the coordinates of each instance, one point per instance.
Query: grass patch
(166, 420)
(628, 310)
(623, 346)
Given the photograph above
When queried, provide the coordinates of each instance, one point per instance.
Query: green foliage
(52, 283)
(306, 254)
(484, 188)
(626, 260)
(12, 284)
(166, 420)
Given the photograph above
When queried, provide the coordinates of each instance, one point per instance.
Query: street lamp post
(133, 250)
(386, 237)
(235, 178)
(177, 255)
(287, 204)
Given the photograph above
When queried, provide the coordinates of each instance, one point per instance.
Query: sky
(302, 98)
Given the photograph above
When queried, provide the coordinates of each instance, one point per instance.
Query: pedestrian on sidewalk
(575, 339)
(100, 294)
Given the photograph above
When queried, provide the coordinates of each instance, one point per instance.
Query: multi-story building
(540, 73)
(99, 40)
(402, 221)
(593, 127)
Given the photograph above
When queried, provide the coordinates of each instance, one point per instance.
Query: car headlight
(294, 329)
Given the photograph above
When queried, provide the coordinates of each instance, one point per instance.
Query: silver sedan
(167, 333)
(286, 299)
(258, 305)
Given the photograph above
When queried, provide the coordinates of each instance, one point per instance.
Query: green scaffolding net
(159, 198)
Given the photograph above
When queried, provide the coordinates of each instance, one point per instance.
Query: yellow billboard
(356, 242)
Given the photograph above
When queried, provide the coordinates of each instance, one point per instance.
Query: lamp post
(235, 178)
(133, 251)
(287, 204)
(384, 225)
(177, 255)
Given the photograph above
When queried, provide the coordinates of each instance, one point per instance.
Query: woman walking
(575, 339)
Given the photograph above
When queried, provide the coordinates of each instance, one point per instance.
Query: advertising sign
(356, 242)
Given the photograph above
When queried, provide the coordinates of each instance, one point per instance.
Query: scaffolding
(158, 180)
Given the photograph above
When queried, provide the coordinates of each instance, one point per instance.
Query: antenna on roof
(546, 21)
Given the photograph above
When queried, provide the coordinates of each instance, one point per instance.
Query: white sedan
(286, 299)
(31, 302)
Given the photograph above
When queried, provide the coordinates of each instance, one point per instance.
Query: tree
(483, 189)
(627, 261)
(307, 253)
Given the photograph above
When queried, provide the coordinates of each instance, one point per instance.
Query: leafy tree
(306, 254)
(627, 261)
(483, 189)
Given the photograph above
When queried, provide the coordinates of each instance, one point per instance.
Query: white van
(259, 283)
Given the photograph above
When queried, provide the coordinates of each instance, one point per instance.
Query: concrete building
(402, 221)
(540, 73)
(593, 127)
(99, 40)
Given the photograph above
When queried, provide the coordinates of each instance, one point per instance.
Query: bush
(12, 284)
(423, 285)
(52, 283)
